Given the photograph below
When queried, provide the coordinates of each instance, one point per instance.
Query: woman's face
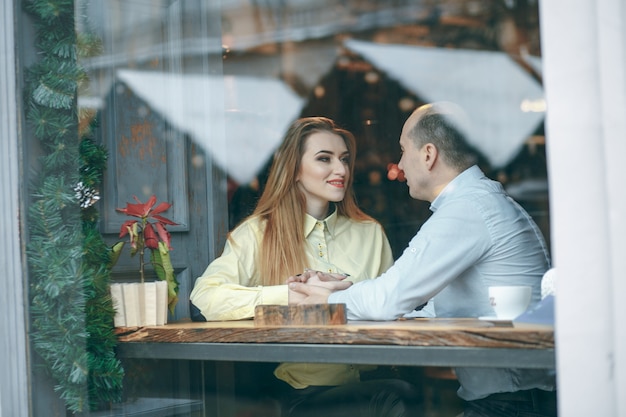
(324, 172)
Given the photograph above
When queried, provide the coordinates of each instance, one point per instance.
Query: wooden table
(420, 342)
(410, 342)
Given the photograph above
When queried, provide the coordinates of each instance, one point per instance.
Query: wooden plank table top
(439, 341)
(410, 332)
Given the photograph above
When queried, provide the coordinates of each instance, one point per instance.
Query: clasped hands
(314, 287)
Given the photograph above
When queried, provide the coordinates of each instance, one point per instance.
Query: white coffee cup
(509, 301)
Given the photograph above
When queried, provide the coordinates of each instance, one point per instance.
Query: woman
(306, 218)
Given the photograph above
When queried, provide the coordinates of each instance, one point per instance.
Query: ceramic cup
(509, 301)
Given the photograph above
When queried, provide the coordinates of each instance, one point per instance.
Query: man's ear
(430, 155)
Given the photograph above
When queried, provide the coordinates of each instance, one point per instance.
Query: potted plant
(139, 303)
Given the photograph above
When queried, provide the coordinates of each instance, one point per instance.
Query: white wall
(583, 46)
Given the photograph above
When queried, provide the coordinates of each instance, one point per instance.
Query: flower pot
(139, 304)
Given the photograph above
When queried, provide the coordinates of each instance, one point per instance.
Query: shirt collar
(470, 174)
(330, 222)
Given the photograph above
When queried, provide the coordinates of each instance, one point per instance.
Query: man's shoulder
(477, 190)
(476, 200)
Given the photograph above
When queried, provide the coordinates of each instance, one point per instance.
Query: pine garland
(72, 313)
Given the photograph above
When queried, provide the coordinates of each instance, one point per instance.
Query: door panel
(147, 157)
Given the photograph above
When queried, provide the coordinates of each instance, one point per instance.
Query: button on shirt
(318, 237)
(476, 237)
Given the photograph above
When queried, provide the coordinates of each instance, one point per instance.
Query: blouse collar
(330, 222)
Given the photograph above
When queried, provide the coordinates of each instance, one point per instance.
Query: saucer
(493, 318)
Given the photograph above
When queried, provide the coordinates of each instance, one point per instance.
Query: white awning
(240, 126)
(503, 102)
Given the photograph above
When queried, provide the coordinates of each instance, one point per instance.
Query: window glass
(191, 98)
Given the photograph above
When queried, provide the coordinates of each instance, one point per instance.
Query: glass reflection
(192, 98)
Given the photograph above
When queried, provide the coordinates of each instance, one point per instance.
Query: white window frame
(583, 46)
(14, 381)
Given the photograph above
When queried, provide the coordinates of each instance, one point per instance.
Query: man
(476, 237)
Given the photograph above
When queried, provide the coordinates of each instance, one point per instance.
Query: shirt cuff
(274, 294)
(332, 298)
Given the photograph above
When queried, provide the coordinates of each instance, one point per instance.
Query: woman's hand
(317, 276)
(314, 287)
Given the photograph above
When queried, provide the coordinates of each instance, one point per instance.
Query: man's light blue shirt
(476, 237)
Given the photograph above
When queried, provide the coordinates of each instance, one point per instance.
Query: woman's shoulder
(367, 224)
(251, 226)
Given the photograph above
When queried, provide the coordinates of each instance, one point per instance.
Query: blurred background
(228, 77)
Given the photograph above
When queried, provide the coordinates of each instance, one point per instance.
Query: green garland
(71, 309)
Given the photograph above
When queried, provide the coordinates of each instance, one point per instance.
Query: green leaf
(116, 251)
(165, 272)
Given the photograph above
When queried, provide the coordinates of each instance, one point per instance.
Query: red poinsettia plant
(148, 230)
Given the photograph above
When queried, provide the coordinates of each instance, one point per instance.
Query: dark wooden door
(148, 156)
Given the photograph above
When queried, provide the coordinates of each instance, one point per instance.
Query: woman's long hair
(282, 205)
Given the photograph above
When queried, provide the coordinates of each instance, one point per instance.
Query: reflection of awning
(490, 87)
(529, 190)
(241, 134)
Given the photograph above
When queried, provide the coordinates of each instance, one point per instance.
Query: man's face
(413, 164)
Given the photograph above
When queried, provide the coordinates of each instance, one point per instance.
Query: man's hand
(301, 293)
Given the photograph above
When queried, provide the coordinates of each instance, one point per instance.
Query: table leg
(225, 389)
